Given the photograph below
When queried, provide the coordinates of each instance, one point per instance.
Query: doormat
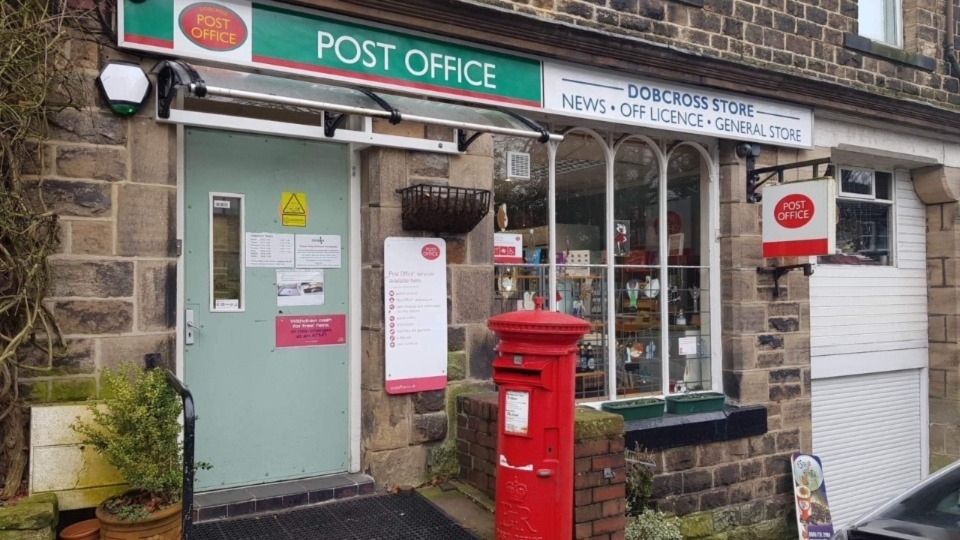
(378, 517)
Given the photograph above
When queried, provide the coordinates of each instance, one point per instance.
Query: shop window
(226, 252)
(630, 242)
(864, 218)
(881, 20)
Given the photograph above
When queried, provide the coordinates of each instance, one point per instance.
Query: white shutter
(867, 432)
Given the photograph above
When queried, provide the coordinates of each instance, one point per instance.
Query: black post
(152, 361)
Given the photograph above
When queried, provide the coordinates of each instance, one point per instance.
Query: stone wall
(766, 340)
(403, 434)
(806, 38)
(939, 188)
(599, 466)
(112, 183)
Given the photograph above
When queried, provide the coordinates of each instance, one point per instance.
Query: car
(928, 510)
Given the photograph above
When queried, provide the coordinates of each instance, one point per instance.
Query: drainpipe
(951, 51)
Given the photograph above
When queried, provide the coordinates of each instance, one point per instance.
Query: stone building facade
(117, 185)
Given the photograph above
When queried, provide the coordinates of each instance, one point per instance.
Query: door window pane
(226, 243)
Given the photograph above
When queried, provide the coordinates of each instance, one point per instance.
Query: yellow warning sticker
(293, 209)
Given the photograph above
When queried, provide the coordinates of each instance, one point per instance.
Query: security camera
(748, 150)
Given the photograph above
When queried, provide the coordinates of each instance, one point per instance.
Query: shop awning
(178, 81)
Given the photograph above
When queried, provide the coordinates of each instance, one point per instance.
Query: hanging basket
(443, 209)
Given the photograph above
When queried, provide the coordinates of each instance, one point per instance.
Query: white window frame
(860, 197)
(243, 247)
(892, 21)
(710, 211)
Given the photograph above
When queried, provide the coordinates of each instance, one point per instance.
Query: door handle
(544, 473)
(189, 327)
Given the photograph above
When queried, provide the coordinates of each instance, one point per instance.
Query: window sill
(881, 50)
(695, 3)
(674, 430)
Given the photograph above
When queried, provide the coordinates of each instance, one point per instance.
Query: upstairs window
(881, 20)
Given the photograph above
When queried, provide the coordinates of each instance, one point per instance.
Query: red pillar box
(534, 370)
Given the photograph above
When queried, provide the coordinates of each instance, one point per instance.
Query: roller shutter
(866, 429)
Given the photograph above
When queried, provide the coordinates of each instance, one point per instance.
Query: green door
(266, 298)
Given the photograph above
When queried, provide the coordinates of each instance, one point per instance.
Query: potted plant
(636, 409)
(695, 403)
(137, 430)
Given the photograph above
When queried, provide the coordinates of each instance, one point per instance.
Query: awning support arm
(331, 122)
(463, 142)
(172, 76)
(544, 134)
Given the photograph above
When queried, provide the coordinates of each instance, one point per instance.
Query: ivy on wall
(35, 80)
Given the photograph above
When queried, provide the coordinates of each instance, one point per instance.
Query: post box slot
(519, 376)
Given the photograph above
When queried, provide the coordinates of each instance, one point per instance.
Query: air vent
(518, 165)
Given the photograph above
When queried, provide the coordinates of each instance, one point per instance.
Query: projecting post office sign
(799, 218)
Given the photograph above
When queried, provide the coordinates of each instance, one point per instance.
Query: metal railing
(152, 361)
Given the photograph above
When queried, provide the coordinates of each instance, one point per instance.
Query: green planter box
(695, 403)
(636, 409)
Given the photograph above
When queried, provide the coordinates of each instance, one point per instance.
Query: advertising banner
(810, 494)
(800, 218)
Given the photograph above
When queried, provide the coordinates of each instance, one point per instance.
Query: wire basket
(443, 209)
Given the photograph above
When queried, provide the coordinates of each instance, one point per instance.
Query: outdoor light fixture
(124, 86)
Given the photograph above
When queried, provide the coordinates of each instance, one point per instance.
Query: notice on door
(293, 209)
(300, 288)
(415, 314)
(269, 250)
(517, 412)
(319, 251)
(311, 330)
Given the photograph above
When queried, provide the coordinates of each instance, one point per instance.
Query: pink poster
(311, 330)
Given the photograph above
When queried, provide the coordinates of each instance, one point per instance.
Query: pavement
(406, 515)
(464, 504)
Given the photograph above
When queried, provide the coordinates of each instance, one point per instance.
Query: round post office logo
(213, 27)
(430, 251)
(794, 211)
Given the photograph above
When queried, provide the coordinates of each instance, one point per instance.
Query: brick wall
(742, 484)
(599, 502)
(804, 38)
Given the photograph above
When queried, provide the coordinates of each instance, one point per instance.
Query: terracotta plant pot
(85, 530)
(166, 524)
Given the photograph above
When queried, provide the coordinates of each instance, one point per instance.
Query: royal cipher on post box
(534, 371)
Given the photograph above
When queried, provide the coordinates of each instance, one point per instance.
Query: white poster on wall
(415, 314)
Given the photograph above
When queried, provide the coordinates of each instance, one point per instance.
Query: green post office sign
(287, 38)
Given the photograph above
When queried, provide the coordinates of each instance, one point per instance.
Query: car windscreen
(935, 504)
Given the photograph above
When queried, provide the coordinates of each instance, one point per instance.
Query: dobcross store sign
(623, 98)
(290, 39)
(799, 218)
